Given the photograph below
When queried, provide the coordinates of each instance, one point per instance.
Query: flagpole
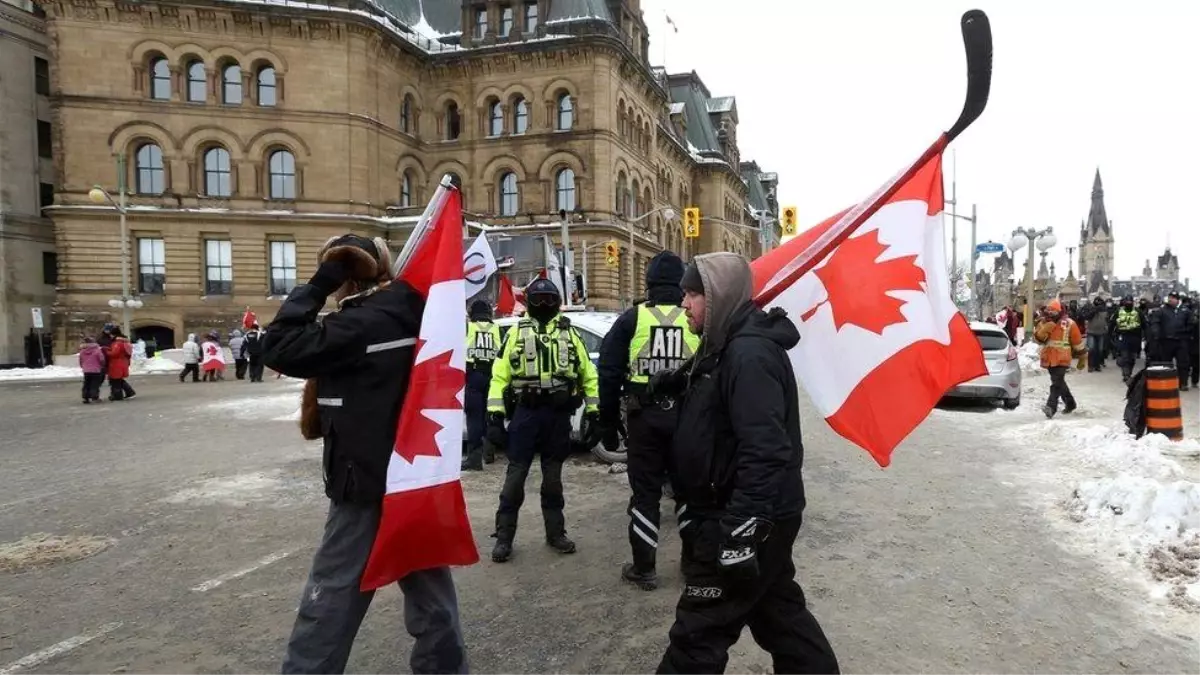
(422, 227)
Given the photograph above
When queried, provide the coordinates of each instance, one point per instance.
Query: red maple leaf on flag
(439, 387)
(858, 285)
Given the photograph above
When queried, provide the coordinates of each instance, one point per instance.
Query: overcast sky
(837, 96)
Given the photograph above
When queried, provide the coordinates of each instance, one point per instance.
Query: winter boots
(556, 531)
(473, 459)
(647, 581)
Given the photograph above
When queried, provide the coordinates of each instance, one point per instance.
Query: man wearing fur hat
(357, 362)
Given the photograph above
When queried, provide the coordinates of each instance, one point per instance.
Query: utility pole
(954, 213)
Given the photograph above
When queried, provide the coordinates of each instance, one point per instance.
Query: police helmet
(542, 292)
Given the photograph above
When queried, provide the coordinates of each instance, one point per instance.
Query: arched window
(520, 116)
(197, 82)
(151, 179)
(621, 189)
(160, 79)
(453, 121)
(495, 119)
(266, 86)
(282, 168)
(406, 189)
(406, 114)
(564, 190)
(634, 197)
(231, 84)
(566, 112)
(508, 194)
(218, 173)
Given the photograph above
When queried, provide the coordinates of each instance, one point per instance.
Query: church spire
(1097, 217)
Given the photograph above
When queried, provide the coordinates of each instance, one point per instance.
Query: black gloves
(669, 383)
(330, 276)
(590, 429)
(738, 557)
(611, 433)
(496, 434)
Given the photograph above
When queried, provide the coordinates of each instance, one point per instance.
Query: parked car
(1003, 381)
(592, 327)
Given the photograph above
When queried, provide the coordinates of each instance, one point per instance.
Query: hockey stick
(977, 41)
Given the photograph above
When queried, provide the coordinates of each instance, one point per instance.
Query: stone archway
(160, 337)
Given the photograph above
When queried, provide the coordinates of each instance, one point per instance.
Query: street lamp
(669, 214)
(1043, 240)
(101, 196)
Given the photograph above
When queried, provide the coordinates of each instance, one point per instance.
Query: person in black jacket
(252, 346)
(1193, 307)
(1174, 321)
(647, 338)
(735, 467)
(357, 361)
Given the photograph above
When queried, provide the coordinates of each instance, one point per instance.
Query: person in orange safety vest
(1061, 342)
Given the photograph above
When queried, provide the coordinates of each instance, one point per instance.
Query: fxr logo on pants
(707, 592)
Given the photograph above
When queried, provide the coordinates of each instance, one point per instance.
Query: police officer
(1128, 331)
(483, 344)
(545, 372)
(647, 339)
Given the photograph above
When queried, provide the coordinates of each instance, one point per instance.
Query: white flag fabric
(479, 264)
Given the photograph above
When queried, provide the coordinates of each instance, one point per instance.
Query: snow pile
(47, 373)
(1030, 357)
(155, 365)
(1135, 499)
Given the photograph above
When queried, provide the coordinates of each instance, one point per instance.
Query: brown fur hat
(369, 261)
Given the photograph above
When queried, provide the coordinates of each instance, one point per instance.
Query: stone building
(27, 258)
(250, 133)
(1096, 246)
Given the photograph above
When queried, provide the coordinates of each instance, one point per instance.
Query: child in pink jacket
(91, 361)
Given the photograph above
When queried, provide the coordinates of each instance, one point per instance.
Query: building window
(231, 84)
(152, 266)
(622, 188)
(282, 169)
(531, 17)
(453, 122)
(283, 267)
(508, 194)
(495, 119)
(45, 195)
(634, 207)
(506, 22)
(150, 179)
(266, 86)
(160, 79)
(566, 112)
(406, 189)
(197, 79)
(520, 116)
(218, 267)
(41, 71)
(406, 115)
(564, 190)
(480, 23)
(218, 178)
(49, 268)
(45, 147)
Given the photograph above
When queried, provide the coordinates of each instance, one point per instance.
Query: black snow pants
(648, 442)
(1059, 389)
(713, 609)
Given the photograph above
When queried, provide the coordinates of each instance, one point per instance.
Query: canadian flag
(880, 339)
(424, 523)
(507, 302)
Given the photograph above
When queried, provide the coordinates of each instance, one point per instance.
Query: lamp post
(1043, 240)
(668, 213)
(954, 218)
(101, 196)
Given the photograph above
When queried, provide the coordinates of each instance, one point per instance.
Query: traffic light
(612, 254)
(789, 221)
(691, 222)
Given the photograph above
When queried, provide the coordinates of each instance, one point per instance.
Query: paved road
(193, 511)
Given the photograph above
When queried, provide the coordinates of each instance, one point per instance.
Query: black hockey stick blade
(977, 40)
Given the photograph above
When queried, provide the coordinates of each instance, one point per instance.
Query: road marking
(237, 574)
(40, 657)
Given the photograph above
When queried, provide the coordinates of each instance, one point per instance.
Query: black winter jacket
(360, 357)
(737, 450)
(252, 346)
(613, 368)
(1174, 322)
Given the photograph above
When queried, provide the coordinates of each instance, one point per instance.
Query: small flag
(671, 23)
(478, 265)
(507, 302)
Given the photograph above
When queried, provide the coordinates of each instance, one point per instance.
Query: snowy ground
(67, 367)
(1133, 504)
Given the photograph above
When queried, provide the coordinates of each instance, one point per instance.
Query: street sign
(37, 318)
(989, 247)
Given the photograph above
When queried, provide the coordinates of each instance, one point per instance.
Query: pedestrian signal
(789, 221)
(691, 222)
(612, 254)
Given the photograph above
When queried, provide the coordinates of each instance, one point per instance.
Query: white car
(592, 327)
(1003, 381)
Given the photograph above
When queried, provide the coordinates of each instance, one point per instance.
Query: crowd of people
(208, 357)
(1166, 331)
(106, 357)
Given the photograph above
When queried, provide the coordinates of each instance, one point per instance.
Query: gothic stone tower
(1096, 245)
